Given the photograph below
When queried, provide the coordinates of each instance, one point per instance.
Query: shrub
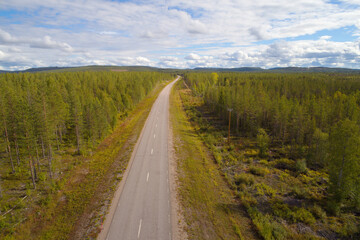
(268, 228)
(263, 189)
(294, 214)
(281, 210)
(243, 178)
(264, 162)
(284, 176)
(248, 160)
(333, 207)
(3, 223)
(318, 212)
(247, 199)
(218, 158)
(258, 171)
(300, 166)
(284, 163)
(303, 215)
(350, 225)
(299, 192)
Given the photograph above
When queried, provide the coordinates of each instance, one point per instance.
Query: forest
(295, 142)
(46, 118)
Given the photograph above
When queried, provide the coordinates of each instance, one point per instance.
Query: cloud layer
(179, 33)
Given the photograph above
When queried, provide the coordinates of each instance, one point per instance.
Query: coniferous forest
(295, 149)
(47, 118)
(292, 159)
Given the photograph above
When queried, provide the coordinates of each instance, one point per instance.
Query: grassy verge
(74, 205)
(210, 209)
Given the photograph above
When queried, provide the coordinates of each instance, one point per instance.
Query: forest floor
(210, 208)
(73, 204)
(229, 192)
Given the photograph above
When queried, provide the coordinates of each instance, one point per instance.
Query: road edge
(177, 216)
(115, 200)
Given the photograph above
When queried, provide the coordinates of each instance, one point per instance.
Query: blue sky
(179, 33)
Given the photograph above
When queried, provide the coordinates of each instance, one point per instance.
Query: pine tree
(3, 117)
(263, 141)
(318, 151)
(344, 161)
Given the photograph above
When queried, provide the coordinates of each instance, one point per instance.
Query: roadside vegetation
(210, 208)
(293, 159)
(61, 138)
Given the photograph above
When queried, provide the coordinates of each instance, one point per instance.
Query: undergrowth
(284, 198)
(210, 210)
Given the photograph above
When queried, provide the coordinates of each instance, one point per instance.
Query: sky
(180, 33)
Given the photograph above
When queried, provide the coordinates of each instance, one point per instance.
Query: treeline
(46, 112)
(318, 115)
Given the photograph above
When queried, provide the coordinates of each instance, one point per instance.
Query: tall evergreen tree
(344, 164)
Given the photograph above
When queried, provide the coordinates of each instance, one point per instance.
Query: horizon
(180, 34)
(170, 68)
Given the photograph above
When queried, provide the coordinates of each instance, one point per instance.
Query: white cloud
(297, 53)
(47, 42)
(2, 55)
(142, 32)
(14, 50)
(325, 37)
(142, 61)
(193, 56)
(6, 38)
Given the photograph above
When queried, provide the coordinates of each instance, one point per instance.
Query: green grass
(77, 199)
(209, 206)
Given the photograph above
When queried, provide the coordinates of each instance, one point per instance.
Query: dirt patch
(118, 70)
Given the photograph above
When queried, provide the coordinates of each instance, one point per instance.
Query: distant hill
(93, 68)
(172, 70)
(110, 68)
(314, 70)
(43, 69)
(241, 69)
(281, 70)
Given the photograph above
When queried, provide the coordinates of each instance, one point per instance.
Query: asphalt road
(144, 207)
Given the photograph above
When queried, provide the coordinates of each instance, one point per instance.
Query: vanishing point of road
(143, 209)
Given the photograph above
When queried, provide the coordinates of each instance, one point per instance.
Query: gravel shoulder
(177, 212)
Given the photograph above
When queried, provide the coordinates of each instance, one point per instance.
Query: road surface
(144, 207)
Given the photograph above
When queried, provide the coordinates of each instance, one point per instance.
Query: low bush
(293, 214)
(259, 171)
(263, 189)
(299, 192)
(243, 178)
(303, 215)
(350, 226)
(300, 166)
(284, 164)
(267, 227)
(247, 199)
(264, 162)
(318, 212)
